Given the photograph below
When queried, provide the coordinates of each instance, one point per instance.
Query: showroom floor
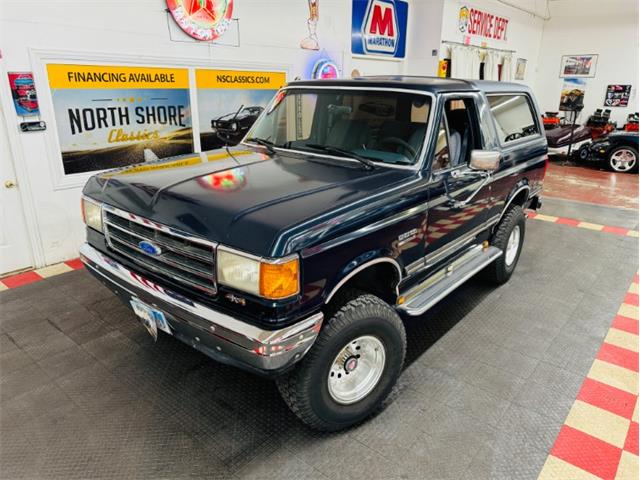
(491, 376)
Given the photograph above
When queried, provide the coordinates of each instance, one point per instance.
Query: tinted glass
(386, 127)
(514, 117)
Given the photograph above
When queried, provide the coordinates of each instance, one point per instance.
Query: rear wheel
(351, 368)
(508, 237)
(583, 152)
(623, 159)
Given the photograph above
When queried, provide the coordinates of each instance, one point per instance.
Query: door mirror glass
(486, 160)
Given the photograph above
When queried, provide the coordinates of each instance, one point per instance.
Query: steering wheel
(513, 136)
(400, 142)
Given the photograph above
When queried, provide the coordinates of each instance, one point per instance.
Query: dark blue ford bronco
(349, 204)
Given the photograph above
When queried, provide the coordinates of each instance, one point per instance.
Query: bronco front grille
(177, 256)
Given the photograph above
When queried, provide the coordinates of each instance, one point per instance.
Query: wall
(524, 32)
(139, 33)
(583, 27)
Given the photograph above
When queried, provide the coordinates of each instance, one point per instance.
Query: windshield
(387, 127)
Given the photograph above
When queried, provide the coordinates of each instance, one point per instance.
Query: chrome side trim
(361, 268)
(439, 254)
(249, 338)
(380, 224)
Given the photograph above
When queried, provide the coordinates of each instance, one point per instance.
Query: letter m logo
(380, 27)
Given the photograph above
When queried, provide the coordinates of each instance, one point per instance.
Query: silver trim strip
(442, 252)
(380, 224)
(362, 267)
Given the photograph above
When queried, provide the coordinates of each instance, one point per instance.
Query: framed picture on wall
(521, 68)
(578, 65)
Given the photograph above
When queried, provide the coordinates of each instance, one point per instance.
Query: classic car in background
(232, 127)
(618, 150)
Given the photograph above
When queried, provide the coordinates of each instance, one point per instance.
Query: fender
(512, 196)
(360, 264)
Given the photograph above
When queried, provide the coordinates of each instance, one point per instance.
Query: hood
(242, 198)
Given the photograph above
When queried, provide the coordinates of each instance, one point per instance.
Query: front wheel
(623, 159)
(509, 237)
(351, 368)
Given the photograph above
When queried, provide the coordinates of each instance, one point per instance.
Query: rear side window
(514, 116)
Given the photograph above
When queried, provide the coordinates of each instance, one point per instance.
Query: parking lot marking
(600, 435)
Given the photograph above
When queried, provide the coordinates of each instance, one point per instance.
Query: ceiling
(567, 8)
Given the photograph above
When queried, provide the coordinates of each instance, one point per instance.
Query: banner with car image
(107, 116)
(229, 101)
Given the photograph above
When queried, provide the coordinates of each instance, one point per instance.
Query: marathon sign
(476, 22)
(379, 27)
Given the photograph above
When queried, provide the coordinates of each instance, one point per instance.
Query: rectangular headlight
(92, 214)
(268, 279)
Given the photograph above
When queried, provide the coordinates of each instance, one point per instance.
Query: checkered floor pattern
(599, 438)
(31, 276)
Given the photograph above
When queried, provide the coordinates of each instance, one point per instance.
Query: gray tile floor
(491, 374)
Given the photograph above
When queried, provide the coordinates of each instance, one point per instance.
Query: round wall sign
(325, 69)
(202, 19)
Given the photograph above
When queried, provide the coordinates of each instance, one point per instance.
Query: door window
(514, 117)
(456, 134)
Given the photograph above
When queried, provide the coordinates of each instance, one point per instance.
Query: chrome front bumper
(218, 335)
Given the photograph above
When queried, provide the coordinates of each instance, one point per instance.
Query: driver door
(458, 201)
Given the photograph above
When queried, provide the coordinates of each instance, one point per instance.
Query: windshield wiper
(268, 144)
(344, 153)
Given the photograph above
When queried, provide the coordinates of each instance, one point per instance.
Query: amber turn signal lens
(279, 280)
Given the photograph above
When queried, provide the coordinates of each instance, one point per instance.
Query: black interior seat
(349, 134)
(459, 136)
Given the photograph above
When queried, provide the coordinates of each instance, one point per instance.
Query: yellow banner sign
(250, 80)
(109, 77)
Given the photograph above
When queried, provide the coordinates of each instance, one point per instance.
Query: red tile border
(626, 324)
(631, 299)
(631, 444)
(21, 279)
(586, 452)
(76, 263)
(607, 397)
(572, 222)
(568, 221)
(592, 452)
(25, 278)
(615, 230)
(618, 356)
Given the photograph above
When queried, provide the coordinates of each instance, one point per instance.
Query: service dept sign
(479, 23)
(379, 27)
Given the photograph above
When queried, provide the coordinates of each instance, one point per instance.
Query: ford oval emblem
(148, 247)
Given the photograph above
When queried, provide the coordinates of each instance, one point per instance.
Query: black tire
(583, 152)
(499, 271)
(633, 151)
(305, 389)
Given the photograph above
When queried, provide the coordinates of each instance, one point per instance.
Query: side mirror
(485, 160)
